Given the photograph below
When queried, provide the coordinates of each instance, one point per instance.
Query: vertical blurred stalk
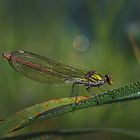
(134, 47)
(104, 22)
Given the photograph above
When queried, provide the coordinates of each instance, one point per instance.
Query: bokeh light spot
(80, 43)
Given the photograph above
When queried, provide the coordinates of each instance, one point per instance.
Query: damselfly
(46, 70)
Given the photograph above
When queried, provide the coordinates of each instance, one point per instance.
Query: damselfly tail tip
(6, 55)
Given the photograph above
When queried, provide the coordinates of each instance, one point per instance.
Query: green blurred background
(96, 34)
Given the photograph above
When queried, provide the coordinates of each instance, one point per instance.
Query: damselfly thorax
(45, 70)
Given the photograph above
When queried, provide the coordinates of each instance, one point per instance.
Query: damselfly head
(108, 79)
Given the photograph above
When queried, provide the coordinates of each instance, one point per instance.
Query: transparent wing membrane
(44, 69)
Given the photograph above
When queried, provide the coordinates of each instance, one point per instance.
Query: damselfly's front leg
(91, 92)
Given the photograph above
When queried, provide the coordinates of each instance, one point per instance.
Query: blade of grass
(71, 132)
(55, 107)
(135, 47)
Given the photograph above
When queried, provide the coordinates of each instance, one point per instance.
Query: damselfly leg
(74, 91)
(91, 92)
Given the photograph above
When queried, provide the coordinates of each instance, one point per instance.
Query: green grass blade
(75, 132)
(55, 107)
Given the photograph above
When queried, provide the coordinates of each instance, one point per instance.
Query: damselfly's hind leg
(74, 92)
